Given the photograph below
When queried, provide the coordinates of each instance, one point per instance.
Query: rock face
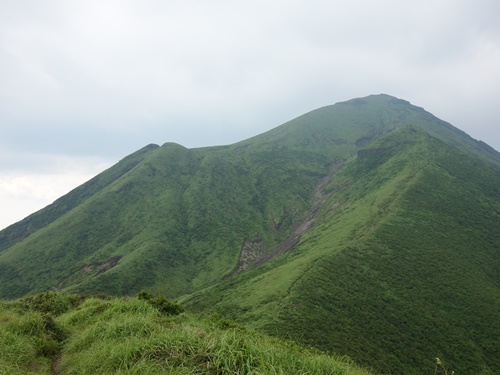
(101, 267)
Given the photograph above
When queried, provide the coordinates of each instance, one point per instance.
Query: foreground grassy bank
(54, 333)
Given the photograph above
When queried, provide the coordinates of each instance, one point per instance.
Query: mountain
(369, 228)
(400, 265)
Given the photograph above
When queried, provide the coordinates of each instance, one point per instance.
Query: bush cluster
(163, 305)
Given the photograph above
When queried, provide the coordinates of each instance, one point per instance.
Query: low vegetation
(369, 229)
(401, 268)
(57, 333)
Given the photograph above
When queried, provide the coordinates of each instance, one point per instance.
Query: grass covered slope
(422, 282)
(23, 229)
(369, 228)
(177, 220)
(67, 334)
(401, 267)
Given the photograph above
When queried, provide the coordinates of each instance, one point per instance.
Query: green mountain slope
(40, 219)
(369, 228)
(401, 266)
(175, 220)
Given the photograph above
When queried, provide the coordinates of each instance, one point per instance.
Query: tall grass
(23, 340)
(131, 336)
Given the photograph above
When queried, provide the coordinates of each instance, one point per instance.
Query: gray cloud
(102, 78)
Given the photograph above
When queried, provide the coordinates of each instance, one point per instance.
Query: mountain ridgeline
(369, 228)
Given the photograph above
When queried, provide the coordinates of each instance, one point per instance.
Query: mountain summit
(369, 228)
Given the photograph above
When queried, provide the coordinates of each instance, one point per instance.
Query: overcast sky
(85, 83)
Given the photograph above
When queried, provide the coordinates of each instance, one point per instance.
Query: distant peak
(375, 98)
(172, 145)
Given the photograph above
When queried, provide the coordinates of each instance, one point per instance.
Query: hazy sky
(85, 83)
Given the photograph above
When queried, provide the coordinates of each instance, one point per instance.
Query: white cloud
(25, 188)
(102, 78)
(21, 196)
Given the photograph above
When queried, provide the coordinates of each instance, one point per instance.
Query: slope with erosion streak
(176, 220)
(420, 285)
(348, 207)
(185, 214)
(400, 268)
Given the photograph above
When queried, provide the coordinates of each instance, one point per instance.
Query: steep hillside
(19, 231)
(176, 220)
(400, 267)
(368, 228)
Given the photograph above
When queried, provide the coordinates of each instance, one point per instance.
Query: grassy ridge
(401, 268)
(175, 220)
(400, 265)
(199, 207)
(42, 218)
(67, 334)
